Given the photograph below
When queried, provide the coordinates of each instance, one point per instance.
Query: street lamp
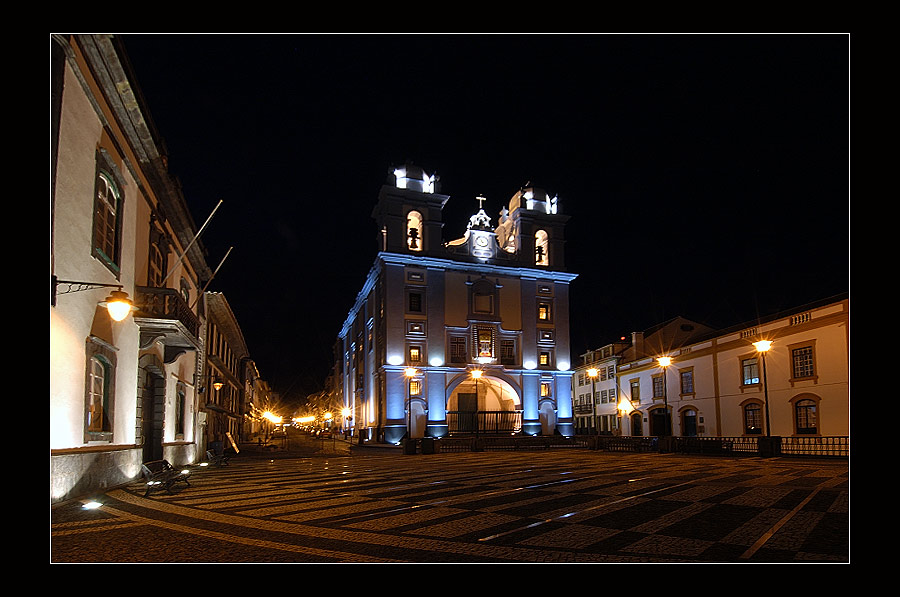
(345, 415)
(593, 373)
(664, 362)
(410, 373)
(117, 303)
(762, 347)
(476, 375)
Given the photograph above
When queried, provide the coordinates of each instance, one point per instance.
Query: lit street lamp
(762, 347)
(592, 373)
(476, 375)
(664, 362)
(410, 373)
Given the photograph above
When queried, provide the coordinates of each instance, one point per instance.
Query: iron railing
(166, 304)
(484, 422)
(802, 447)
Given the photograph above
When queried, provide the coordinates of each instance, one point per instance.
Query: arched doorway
(483, 405)
(660, 424)
(637, 427)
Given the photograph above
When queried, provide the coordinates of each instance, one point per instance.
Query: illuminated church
(464, 337)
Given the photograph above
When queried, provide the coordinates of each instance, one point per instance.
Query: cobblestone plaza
(537, 507)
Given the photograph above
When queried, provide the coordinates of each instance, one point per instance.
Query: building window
(750, 371)
(415, 387)
(805, 417)
(508, 352)
(107, 210)
(546, 389)
(100, 391)
(544, 311)
(98, 396)
(457, 349)
(415, 354)
(659, 386)
(687, 381)
(753, 424)
(546, 335)
(157, 267)
(635, 390)
(416, 328)
(803, 362)
(179, 411)
(415, 302)
(545, 358)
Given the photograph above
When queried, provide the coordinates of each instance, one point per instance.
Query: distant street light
(593, 373)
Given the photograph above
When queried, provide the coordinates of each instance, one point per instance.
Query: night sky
(706, 176)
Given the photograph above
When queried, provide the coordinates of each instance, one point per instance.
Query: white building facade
(462, 337)
(721, 385)
(121, 392)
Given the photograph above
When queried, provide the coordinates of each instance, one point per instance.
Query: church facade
(469, 336)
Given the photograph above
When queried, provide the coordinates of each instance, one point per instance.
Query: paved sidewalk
(557, 506)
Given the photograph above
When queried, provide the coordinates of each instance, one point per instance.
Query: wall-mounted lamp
(218, 384)
(117, 303)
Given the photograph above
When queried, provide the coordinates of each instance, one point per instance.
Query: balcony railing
(162, 305)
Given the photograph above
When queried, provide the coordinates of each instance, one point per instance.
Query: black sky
(706, 175)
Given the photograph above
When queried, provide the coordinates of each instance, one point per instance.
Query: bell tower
(534, 229)
(409, 212)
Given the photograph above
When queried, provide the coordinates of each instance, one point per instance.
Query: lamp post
(592, 373)
(410, 373)
(664, 362)
(476, 375)
(762, 347)
(346, 419)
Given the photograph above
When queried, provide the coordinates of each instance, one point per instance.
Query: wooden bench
(216, 459)
(159, 475)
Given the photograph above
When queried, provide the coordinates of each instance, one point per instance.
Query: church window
(508, 352)
(457, 349)
(543, 311)
(541, 247)
(415, 354)
(414, 231)
(414, 304)
(545, 358)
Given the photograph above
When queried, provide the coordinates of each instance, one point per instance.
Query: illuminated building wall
(715, 387)
(431, 312)
(126, 392)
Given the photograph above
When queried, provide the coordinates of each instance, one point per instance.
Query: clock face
(481, 241)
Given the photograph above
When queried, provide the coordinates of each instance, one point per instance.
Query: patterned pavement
(558, 506)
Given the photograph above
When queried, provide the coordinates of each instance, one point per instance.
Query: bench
(159, 474)
(216, 459)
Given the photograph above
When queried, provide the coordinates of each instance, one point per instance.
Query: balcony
(163, 315)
